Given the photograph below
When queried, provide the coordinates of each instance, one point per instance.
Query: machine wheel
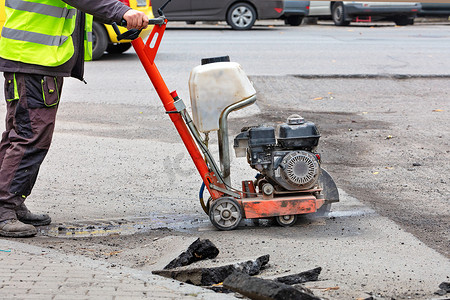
(99, 40)
(225, 213)
(241, 16)
(338, 14)
(118, 48)
(286, 221)
(294, 20)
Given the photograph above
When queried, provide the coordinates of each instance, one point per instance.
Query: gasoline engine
(284, 156)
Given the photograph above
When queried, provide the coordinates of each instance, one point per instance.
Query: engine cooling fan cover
(300, 168)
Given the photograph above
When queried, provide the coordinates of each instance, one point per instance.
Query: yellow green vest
(88, 37)
(40, 32)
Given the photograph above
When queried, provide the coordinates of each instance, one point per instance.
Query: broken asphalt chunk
(198, 250)
(258, 288)
(209, 276)
(444, 288)
(311, 275)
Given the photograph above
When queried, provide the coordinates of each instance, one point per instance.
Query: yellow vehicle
(2, 13)
(104, 37)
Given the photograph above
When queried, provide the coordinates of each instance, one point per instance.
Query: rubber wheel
(338, 14)
(241, 16)
(294, 20)
(286, 221)
(99, 40)
(403, 21)
(225, 213)
(118, 48)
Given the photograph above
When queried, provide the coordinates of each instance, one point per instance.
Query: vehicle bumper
(426, 12)
(296, 8)
(270, 10)
(435, 9)
(288, 13)
(351, 10)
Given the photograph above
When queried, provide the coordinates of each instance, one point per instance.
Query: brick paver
(29, 272)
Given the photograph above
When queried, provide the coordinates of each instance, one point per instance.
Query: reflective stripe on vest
(88, 37)
(43, 9)
(33, 37)
(45, 38)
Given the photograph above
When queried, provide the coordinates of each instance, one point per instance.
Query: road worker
(42, 42)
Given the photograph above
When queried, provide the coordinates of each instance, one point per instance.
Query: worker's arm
(109, 11)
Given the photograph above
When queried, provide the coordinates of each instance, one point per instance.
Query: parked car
(239, 14)
(342, 13)
(435, 10)
(105, 39)
(294, 12)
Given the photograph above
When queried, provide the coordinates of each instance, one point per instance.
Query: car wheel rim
(241, 16)
(339, 13)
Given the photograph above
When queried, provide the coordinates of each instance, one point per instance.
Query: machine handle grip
(133, 34)
(157, 21)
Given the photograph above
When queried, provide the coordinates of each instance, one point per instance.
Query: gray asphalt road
(275, 51)
(117, 163)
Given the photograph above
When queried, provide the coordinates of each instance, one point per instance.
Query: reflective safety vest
(40, 32)
(88, 37)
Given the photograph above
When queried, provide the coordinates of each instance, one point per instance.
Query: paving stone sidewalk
(30, 272)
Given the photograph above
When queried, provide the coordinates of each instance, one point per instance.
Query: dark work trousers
(31, 106)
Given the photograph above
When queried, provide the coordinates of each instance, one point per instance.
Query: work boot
(15, 228)
(34, 219)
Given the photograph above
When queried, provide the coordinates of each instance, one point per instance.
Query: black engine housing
(283, 155)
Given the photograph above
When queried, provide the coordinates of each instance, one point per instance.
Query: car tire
(403, 20)
(294, 20)
(338, 14)
(99, 40)
(241, 16)
(118, 48)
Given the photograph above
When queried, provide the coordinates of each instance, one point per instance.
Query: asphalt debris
(444, 288)
(259, 288)
(214, 275)
(236, 277)
(311, 275)
(198, 250)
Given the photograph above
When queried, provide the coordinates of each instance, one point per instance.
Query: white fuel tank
(213, 87)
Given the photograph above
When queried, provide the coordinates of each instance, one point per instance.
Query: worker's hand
(135, 19)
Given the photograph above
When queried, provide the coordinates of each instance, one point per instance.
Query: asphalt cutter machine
(290, 180)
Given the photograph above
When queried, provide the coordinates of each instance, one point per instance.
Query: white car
(342, 13)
